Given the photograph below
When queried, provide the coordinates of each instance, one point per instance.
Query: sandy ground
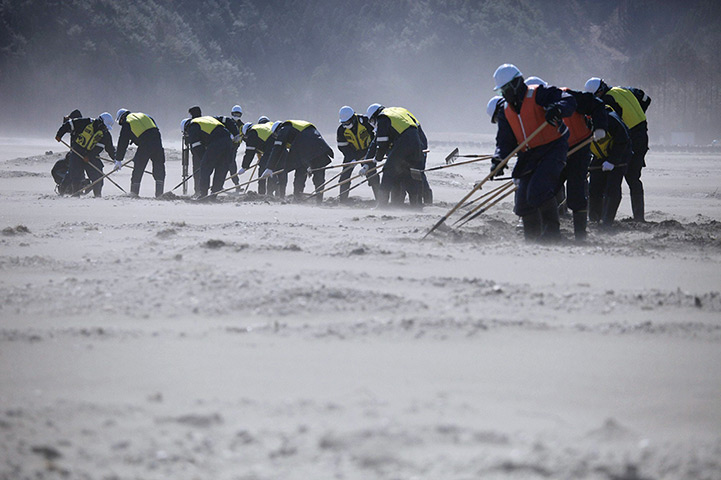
(253, 339)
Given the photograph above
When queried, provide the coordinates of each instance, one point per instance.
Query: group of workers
(561, 136)
(276, 149)
(590, 140)
(385, 144)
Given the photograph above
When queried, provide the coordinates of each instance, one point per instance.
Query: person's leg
(140, 161)
(94, 174)
(76, 170)
(158, 158)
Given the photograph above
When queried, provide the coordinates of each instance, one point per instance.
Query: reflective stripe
(278, 143)
(382, 139)
(645, 97)
(196, 144)
(342, 144)
(249, 148)
(72, 127)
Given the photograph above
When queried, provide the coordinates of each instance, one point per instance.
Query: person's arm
(621, 139)
(66, 127)
(251, 140)
(643, 99)
(108, 141)
(382, 139)
(278, 146)
(123, 140)
(196, 145)
(555, 98)
(611, 102)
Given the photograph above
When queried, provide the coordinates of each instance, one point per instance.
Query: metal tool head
(452, 156)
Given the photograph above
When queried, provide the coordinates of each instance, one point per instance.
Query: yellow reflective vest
(139, 123)
(401, 119)
(300, 125)
(89, 137)
(360, 140)
(207, 124)
(632, 113)
(264, 130)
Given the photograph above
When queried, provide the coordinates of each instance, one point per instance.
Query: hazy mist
(304, 60)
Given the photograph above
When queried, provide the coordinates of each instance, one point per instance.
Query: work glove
(57, 139)
(309, 170)
(86, 159)
(366, 167)
(599, 134)
(494, 163)
(553, 115)
(237, 138)
(241, 171)
(516, 181)
(117, 165)
(267, 173)
(607, 166)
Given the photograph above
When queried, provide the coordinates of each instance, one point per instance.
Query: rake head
(452, 156)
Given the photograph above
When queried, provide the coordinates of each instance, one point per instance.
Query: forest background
(289, 59)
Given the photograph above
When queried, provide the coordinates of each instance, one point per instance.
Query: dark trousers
(78, 168)
(575, 174)
(150, 149)
(604, 191)
(300, 177)
(233, 165)
(406, 153)
(215, 161)
(538, 182)
(639, 144)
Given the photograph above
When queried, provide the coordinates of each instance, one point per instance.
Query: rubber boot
(595, 208)
(98, 190)
(580, 218)
(134, 189)
(551, 224)
(637, 207)
(262, 187)
(532, 226)
(561, 199)
(376, 191)
(159, 187)
(427, 195)
(610, 207)
(319, 198)
(382, 198)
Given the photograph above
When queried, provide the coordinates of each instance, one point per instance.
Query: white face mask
(348, 125)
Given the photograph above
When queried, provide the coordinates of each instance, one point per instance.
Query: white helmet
(533, 80)
(504, 74)
(373, 109)
(236, 111)
(492, 106)
(592, 85)
(246, 127)
(345, 113)
(184, 123)
(263, 119)
(120, 113)
(107, 120)
(275, 127)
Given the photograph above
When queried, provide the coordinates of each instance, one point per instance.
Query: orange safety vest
(577, 127)
(532, 116)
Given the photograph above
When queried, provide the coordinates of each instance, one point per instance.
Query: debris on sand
(214, 244)
(20, 229)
